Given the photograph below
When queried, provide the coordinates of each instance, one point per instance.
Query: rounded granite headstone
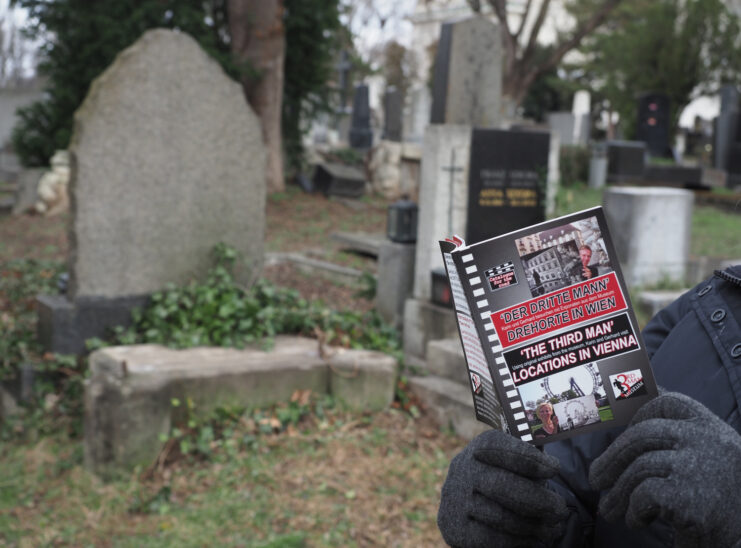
(167, 161)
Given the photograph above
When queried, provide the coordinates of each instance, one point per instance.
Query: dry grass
(347, 480)
(351, 480)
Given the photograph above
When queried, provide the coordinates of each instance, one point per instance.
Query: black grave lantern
(401, 223)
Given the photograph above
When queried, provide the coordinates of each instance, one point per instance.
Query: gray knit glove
(679, 462)
(495, 495)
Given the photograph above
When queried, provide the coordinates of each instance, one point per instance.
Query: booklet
(550, 339)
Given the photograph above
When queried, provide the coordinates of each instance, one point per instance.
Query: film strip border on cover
(522, 428)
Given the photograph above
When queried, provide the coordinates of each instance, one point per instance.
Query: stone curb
(129, 393)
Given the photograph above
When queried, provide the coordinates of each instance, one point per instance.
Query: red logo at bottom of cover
(627, 384)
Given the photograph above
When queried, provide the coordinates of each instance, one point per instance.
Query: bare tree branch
(579, 33)
(523, 20)
(475, 5)
(500, 9)
(520, 70)
(533, 39)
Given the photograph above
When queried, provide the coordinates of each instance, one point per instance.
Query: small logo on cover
(627, 384)
(501, 276)
(476, 385)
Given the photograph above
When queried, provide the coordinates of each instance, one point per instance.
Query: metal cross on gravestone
(452, 169)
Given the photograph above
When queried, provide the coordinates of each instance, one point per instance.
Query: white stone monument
(581, 109)
(650, 227)
(443, 197)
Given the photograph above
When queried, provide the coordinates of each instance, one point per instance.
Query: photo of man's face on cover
(559, 257)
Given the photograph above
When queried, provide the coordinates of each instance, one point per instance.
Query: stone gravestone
(442, 197)
(650, 228)
(334, 179)
(393, 109)
(507, 180)
(467, 82)
(562, 124)
(442, 213)
(167, 161)
(360, 135)
(626, 161)
(417, 114)
(654, 124)
(581, 108)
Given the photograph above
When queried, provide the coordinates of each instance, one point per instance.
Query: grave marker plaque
(506, 184)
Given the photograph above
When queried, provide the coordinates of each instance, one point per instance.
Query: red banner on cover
(574, 304)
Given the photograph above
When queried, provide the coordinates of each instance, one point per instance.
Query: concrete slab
(423, 322)
(362, 380)
(445, 359)
(128, 395)
(450, 403)
(341, 274)
(362, 242)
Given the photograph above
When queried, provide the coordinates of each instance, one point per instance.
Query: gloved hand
(677, 461)
(495, 495)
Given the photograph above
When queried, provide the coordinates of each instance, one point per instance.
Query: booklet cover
(550, 338)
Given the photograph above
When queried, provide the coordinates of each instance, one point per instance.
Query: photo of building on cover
(559, 257)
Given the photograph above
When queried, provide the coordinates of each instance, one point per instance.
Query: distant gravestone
(676, 176)
(626, 160)
(167, 161)
(654, 124)
(339, 180)
(393, 111)
(582, 108)
(467, 82)
(562, 124)
(598, 165)
(360, 135)
(417, 113)
(726, 146)
(507, 181)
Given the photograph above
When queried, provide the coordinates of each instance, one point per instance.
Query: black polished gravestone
(725, 125)
(506, 181)
(340, 180)
(626, 161)
(361, 136)
(654, 124)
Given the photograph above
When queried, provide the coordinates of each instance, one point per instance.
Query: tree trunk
(258, 44)
(520, 69)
